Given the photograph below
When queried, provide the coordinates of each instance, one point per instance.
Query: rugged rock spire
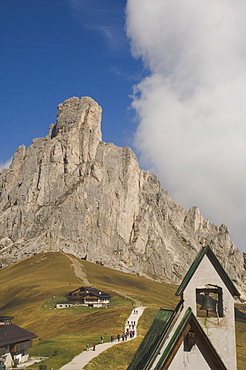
(72, 192)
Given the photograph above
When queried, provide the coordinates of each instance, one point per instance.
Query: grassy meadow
(30, 289)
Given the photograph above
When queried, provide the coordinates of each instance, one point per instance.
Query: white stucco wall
(8, 360)
(192, 360)
(221, 331)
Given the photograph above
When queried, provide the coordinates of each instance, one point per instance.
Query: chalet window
(209, 301)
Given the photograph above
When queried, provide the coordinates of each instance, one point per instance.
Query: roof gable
(189, 322)
(158, 333)
(217, 266)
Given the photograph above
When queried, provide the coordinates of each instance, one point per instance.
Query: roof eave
(215, 262)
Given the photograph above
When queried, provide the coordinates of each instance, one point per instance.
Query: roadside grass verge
(117, 357)
(61, 349)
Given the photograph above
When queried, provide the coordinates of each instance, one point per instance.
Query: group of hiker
(129, 332)
(93, 346)
(124, 336)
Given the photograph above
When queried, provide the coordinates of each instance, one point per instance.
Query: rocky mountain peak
(78, 114)
(71, 192)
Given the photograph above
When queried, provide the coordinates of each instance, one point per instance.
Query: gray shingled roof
(12, 333)
(93, 291)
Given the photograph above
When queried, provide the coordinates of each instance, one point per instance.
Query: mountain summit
(71, 192)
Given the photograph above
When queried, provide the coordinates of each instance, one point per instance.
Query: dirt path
(80, 273)
(85, 357)
(78, 270)
(124, 295)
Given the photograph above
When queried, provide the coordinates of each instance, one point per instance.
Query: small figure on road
(94, 346)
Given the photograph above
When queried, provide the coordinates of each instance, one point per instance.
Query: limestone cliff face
(71, 192)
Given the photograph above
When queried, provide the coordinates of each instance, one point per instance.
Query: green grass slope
(30, 289)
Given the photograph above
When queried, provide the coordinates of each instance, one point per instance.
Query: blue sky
(170, 76)
(53, 50)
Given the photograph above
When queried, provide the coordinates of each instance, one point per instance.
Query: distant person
(94, 346)
(87, 346)
(102, 339)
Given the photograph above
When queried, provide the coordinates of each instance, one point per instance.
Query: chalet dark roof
(11, 333)
(218, 267)
(155, 337)
(92, 291)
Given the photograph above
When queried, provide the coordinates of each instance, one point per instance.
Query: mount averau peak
(71, 192)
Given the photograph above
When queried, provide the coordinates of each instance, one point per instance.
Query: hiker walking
(87, 346)
(94, 346)
(102, 339)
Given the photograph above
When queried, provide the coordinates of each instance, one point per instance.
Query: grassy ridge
(30, 289)
(148, 292)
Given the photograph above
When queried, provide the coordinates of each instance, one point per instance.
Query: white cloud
(6, 164)
(192, 106)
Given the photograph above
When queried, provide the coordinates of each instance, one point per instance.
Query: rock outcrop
(71, 192)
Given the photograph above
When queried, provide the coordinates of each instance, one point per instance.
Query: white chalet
(88, 296)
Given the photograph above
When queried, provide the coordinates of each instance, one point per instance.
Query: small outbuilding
(88, 296)
(14, 342)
